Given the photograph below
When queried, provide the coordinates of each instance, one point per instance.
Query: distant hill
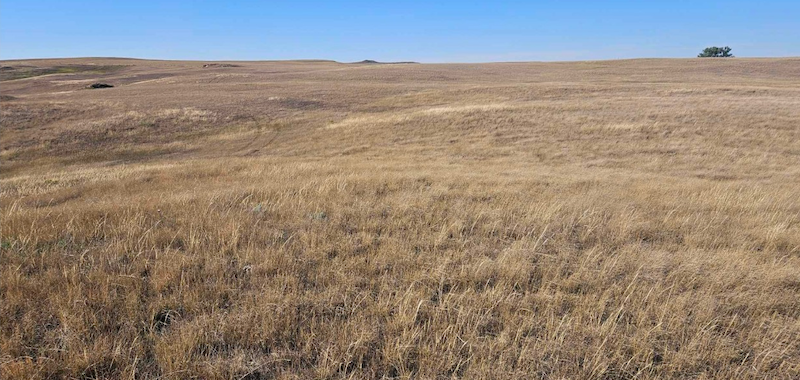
(372, 62)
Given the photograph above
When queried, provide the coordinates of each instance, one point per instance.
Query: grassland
(13, 72)
(613, 220)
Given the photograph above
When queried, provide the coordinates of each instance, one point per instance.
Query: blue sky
(426, 31)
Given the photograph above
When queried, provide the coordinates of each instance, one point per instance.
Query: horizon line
(385, 62)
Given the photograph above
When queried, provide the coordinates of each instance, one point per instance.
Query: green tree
(716, 52)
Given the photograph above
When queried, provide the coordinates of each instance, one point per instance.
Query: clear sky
(426, 31)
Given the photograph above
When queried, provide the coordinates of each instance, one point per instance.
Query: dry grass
(612, 220)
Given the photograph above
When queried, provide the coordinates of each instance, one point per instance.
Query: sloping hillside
(314, 219)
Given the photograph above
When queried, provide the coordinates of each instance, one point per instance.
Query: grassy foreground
(611, 220)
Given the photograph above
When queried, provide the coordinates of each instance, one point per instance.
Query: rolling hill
(314, 219)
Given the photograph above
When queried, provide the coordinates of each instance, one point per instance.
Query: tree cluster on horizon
(713, 51)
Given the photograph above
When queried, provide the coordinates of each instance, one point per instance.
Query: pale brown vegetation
(617, 220)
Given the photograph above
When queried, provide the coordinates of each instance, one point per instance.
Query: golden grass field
(634, 219)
